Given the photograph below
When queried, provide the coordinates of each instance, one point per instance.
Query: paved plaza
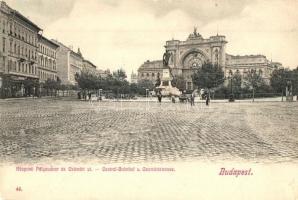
(38, 130)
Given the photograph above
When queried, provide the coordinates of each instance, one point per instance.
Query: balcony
(21, 59)
(22, 74)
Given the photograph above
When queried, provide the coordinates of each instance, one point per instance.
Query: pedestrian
(159, 96)
(79, 95)
(192, 99)
(173, 99)
(89, 95)
(207, 99)
(84, 95)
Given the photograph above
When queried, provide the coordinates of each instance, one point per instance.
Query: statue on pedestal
(166, 58)
(165, 86)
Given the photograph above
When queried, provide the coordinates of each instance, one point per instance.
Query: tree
(118, 83)
(278, 80)
(133, 88)
(7, 86)
(179, 82)
(52, 85)
(29, 85)
(86, 80)
(115, 83)
(237, 81)
(143, 85)
(295, 81)
(253, 80)
(208, 76)
(119, 74)
(236, 84)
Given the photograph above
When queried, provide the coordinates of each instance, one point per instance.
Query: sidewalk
(152, 99)
(197, 100)
(34, 98)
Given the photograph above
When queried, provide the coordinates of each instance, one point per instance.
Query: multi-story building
(75, 65)
(150, 70)
(68, 63)
(244, 64)
(103, 73)
(89, 66)
(187, 56)
(47, 68)
(18, 51)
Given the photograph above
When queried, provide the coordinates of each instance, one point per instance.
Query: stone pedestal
(166, 84)
(166, 78)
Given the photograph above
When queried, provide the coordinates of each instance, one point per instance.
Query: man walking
(159, 96)
(192, 99)
(207, 99)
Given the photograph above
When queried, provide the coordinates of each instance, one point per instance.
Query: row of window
(21, 67)
(45, 76)
(14, 66)
(47, 63)
(17, 49)
(3, 44)
(76, 63)
(148, 74)
(250, 61)
(244, 71)
(46, 51)
(23, 50)
(19, 31)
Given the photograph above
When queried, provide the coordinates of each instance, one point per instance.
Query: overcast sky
(125, 33)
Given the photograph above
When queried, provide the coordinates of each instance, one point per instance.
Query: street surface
(35, 130)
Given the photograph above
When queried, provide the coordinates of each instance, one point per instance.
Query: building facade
(18, 52)
(75, 65)
(68, 63)
(244, 64)
(150, 70)
(187, 56)
(47, 67)
(89, 67)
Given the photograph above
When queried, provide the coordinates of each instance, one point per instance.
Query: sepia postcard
(148, 99)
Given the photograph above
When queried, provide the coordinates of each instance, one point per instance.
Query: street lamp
(100, 90)
(231, 98)
(147, 90)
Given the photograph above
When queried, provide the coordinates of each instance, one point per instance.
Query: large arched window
(193, 60)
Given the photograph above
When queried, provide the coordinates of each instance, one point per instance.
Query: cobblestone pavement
(126, 132)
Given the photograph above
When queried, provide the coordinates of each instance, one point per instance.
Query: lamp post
(1, 89)
(100, 90)
(231, 98)
(147, 90)
(147, 94)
